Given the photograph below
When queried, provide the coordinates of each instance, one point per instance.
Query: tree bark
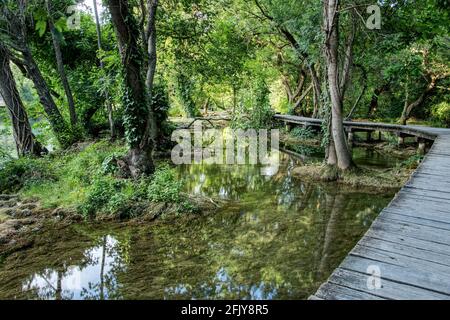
(26, 142)
(18, 37)
(55, 118)
(108, 101)
(411, 106)
(60, 66)
(153, 127)
(373, 106)
(331, 23)
(139, 159)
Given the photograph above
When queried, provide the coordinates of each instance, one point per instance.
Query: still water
(276, 238)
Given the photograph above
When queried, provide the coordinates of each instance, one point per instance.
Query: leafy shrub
(24, 171)
(165, 187)
(107, 195)
(302, 133)
(441, 112)
(412, 162)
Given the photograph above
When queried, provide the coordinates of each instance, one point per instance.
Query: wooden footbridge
(405, 254)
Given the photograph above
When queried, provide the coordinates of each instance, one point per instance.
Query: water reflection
(93, 279)
(277, 238)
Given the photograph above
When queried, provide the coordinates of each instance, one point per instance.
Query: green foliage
(412, 162)
(303, 133)
(441, 112)
(24, 172)
(84, 179)
(108, 195)
(165, 186)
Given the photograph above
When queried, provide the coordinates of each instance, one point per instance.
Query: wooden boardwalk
(405, 254)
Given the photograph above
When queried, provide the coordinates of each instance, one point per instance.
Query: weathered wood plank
(413, 231)
(409, 241)
(330, 291)
(413, 276)
(389, 289)
(405, 250)
(389, 214)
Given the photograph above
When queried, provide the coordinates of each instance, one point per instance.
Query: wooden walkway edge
(405, 254)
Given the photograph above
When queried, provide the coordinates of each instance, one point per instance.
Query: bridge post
(422, 146)
(401, 139)
(288, 127)
(369, 136)
(350, 138)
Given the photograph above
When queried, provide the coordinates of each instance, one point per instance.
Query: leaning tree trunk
(153, 127)
(415, 104)
(55, 118)
(112, 128)
(18, 34)
(342, 157)
(139, 159)
(61, 69)
(26, 142)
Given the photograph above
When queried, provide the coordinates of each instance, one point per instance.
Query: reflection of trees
(280, 240)
(57, 272)
(271, 245)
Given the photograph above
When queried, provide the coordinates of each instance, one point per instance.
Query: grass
(85, 179)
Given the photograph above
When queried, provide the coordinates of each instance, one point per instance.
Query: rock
(26, 213)
(7, 203)
(27, 206)
(4, 197)
(12, 212)
(30, 200)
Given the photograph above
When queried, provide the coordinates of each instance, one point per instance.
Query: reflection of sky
(75, 280)
(225, 284)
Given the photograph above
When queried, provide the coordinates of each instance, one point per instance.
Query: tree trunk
(153, 127)
(26, 142)
(55, 118)
(348, 59)
(139, 159)
(61, 69)
(331, 22)
(317, 90)
(18, 34)
(410, 107)
(108, 101)
(373, 106)
(205, 107)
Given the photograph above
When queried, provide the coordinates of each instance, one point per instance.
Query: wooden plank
(413, 231)
(420, 216)
(432, 194)
(330, 291)
(416, 276)
(405, 250)
(388, 214)
(399, 260)
(388, 290)
(394, 238)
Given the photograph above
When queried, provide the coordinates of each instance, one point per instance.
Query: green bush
(165, 187)
(302, 133)
(412, 162)
(24, 172)
(441, 112)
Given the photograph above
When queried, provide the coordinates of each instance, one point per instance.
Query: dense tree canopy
(206, 55)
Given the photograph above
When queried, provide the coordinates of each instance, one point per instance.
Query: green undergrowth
(85, 179)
